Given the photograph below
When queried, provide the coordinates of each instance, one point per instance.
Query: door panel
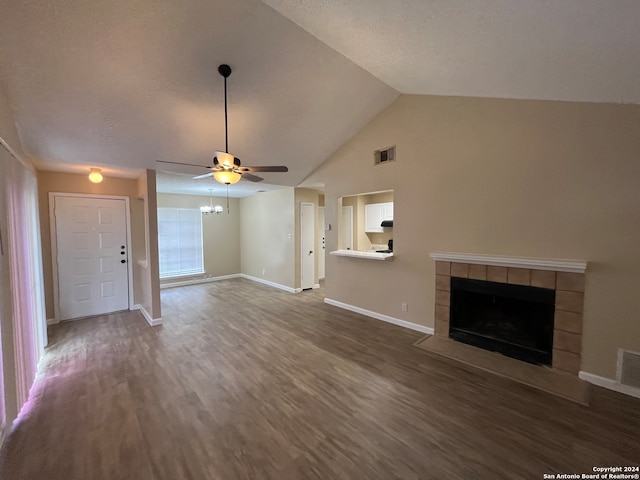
(91, 237)
(307, 241)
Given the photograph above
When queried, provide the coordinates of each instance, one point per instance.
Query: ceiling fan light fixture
(228, 177)
(95, 175)
(225, 159)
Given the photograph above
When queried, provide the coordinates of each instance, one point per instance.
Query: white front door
(307, 242)
(92, 255)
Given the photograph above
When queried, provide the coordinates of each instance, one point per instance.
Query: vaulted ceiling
(124, 83)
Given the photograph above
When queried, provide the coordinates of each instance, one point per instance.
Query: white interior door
(321, 242)
(92, 255)
(346, 229)
(307, 245)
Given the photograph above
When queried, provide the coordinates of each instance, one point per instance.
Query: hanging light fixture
(211, 209)
(95, 175)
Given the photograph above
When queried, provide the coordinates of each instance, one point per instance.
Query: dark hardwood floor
(244, 381)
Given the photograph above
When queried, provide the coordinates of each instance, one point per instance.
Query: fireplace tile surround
(566, 277)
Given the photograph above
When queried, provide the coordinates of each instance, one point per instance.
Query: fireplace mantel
(572, 266)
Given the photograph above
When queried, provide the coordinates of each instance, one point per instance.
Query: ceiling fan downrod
(225, 71)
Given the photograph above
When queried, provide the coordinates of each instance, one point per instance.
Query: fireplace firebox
(514, 320)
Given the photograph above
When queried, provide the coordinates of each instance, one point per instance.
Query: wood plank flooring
(244, 381)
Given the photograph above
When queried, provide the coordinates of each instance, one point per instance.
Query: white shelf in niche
(362, 254)
(558, 265)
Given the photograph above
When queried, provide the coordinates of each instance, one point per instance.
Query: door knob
(123, 261)
(310, 252)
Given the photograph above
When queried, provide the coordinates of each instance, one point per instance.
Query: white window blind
(180, 242)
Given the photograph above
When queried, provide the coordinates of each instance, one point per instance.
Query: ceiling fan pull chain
(228, 199)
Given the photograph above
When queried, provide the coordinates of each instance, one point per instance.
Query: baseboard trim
(52, 321)
(610, 384)
(270, 283)
(150, 320)
(380, 316)
(196, 281)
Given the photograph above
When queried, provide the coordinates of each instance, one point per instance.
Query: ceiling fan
(226, 167)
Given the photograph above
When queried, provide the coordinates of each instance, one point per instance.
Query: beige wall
(503, 177)
(73, 183)
(221, 233)
(267, 241)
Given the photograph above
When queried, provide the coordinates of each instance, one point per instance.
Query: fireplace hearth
(514, 320)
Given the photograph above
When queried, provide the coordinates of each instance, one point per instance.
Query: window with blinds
(180, 242)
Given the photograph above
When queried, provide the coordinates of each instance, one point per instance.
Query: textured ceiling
(576, 50)
(123, 83)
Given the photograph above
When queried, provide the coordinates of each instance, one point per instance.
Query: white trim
(362, 254)
(558, 265)
(316, 285)
(380, 316)
(609, 384)
(52, 321)
(196, 281)
(270, 283)
(151, 321)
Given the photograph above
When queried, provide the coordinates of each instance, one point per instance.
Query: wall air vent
(386, 155)
(629, 368)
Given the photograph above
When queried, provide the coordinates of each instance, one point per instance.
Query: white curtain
(22, 245)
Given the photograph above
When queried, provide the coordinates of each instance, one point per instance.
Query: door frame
(54, 244)
(321, 239)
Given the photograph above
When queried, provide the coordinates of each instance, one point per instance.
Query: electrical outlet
(405, 307)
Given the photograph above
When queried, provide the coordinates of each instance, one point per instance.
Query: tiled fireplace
(565, 277)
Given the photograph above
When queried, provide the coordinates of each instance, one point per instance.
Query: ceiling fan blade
(266, 168)
(251, 178)
(203, 176)
(180, 163)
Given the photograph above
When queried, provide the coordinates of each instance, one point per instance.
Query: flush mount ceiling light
(95, 175)
(226, 168)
